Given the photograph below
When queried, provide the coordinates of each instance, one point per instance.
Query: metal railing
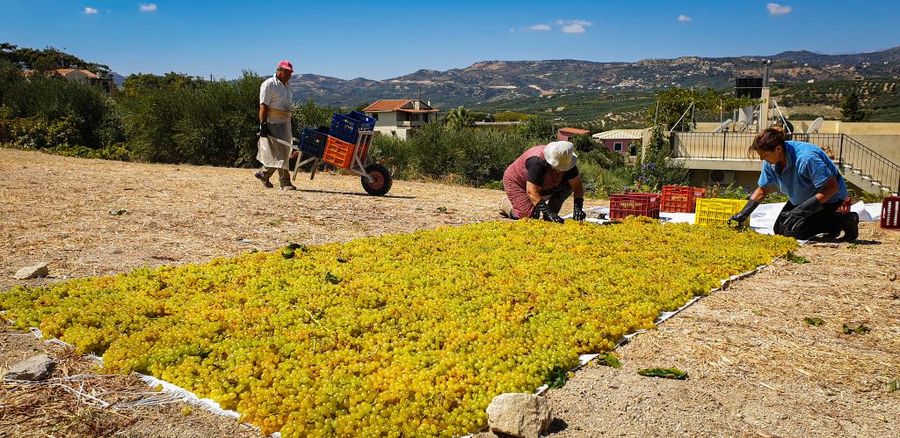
(847, 153)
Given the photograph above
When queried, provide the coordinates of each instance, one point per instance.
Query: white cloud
(775, 9)
(684, 19)
(148, 7)
(539, 28)
(573, 26)
(90, 11)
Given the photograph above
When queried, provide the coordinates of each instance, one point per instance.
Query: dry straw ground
(755, 367)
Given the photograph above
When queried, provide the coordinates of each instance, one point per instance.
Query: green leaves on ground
(609, 359)
(794, 258)
(558, 377)
(859, 330)
(664, 373)
(814, 321)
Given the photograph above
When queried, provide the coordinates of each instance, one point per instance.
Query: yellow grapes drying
(409, 334)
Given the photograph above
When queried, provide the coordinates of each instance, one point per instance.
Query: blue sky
(380, 40)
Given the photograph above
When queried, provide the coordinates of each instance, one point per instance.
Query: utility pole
(764, 105)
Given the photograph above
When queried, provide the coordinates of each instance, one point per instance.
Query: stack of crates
(312, 141)
(715, 211)
(634, 204)
(680, 199)
(890, 212)
(343, 136)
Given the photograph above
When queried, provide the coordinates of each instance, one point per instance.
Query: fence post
(724, 134)
(841, 153)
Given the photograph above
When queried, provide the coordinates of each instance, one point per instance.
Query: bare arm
(263, 113)
(533, 191)
(759, 194)
(577, 186)
(830, 188)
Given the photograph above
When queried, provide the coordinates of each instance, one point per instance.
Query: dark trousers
(284, 175)
(825, 221)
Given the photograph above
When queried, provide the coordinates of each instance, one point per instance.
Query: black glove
(547, 214)
(578, 214)
(795, 219)
(745, 213)
(264, 129)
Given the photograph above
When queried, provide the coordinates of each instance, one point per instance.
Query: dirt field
(755, 367)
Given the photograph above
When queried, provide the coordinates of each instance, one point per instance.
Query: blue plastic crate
(346, 127)
(312, 142)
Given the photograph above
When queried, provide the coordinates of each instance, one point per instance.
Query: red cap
(286, 65)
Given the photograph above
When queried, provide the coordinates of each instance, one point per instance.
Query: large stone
(38, 270)
(34, 368)
(519, 415)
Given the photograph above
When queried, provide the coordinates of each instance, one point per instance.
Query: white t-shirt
(278, 96)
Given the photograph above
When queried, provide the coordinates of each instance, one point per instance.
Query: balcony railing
(845, 151)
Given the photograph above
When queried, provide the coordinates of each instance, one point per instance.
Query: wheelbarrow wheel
(381, 180)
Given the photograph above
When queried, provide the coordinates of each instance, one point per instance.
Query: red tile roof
(402, 105)
(574, 131)
(66, 71)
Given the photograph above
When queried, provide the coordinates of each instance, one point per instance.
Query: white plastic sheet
(762, 220)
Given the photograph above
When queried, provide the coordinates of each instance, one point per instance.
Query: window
(617, 146)
(375, 116)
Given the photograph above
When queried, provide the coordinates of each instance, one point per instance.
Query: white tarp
(762, 220)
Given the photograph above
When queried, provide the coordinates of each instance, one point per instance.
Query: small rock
(29, 272)
(519, 415)
(34, 368)
(892, 276)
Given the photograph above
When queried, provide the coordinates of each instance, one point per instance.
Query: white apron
(275, 154)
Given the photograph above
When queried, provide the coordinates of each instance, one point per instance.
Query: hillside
(606, 109)
(490, 81)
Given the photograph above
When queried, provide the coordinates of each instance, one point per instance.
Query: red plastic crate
(890, 212)
(845, 206)
(338, 152)
(680, 199)
(634, 204)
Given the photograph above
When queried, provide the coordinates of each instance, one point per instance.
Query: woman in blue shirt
(811, 181)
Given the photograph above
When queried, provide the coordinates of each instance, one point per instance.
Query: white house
(396, 117)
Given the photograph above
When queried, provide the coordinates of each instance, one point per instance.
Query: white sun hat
(560, 155)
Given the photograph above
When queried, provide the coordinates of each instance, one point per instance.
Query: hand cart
(375, 178)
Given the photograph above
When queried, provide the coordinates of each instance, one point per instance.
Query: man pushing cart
(345, 144)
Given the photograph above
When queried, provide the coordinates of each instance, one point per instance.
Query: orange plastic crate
(338, 152)
(634, 204)
(890, 212)
(680, 199)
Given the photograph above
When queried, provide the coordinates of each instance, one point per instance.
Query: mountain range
(491, 81)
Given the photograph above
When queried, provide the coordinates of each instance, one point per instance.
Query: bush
(39, 133)
(194, 122)
(471, 156)
(655, 168)
(48, 111)
(583, 143)
(600, 181)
